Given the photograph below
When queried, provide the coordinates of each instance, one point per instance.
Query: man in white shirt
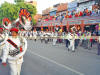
(14, 50)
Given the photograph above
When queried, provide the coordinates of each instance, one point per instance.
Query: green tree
(8, 10)
(17, 1)
(11, 11)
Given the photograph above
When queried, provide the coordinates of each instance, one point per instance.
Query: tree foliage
(11, 11)
(17, 1)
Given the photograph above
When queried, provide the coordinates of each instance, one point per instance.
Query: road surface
(46, 59)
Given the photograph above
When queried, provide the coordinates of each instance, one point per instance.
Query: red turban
(1, 28)
(14, 29)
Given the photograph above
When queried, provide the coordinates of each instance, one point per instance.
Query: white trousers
(1, 52)
(15, 69)
(71, 46)
(54, 41)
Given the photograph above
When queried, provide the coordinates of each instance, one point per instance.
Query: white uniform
(21, 33)
(71, 40)
(35, 35)
(27, 34)
(3, 38)
(24, 32)
(41, 36)
(15, 62)
(54, 38)
(30, 34)
(52, 34)
(46, 37)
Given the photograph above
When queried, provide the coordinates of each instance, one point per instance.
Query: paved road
(45, 59)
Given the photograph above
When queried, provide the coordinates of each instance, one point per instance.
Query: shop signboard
(91, 21)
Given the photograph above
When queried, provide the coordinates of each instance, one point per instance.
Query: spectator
(72, 13)
(56, 17)
(76, 15)
(70, 16)
(93, 13)
(62, 17)
(46, 19)
(98, 11)
(80, 13)
(67, 16)
(88, 14)
(84, 13)
(51, 18)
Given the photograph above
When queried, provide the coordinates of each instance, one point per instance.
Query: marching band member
(76, 40)
(22, 32)
(41, 36)
(52, 33)
(98, 45)
(27, 34)
(35, 35)
(55, 38)
(14, 50)
(67, 41)
(46, 37)
(31, 35)
(71, 40)
(3, 38)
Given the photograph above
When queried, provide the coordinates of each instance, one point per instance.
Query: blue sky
(41, 4)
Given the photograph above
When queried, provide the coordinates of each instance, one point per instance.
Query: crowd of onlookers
(74, 14)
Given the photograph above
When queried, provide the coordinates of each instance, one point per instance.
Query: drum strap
(12, 43)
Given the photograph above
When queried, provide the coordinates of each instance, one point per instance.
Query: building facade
(83, 4)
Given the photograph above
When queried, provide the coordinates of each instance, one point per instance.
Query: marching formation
(72, 40)
(13, 44)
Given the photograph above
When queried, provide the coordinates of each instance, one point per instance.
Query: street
(46, 59)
